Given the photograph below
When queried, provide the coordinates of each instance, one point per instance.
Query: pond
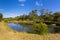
(27, 28)
(19, 27)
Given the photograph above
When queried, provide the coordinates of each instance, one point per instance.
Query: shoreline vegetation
(23, 22)
(6, 34)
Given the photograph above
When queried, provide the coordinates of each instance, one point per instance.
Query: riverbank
(22, 22)
(7, 34)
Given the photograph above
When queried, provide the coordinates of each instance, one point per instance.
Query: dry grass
(10, 35)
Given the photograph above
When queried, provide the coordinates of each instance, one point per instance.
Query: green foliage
(22, 17)
(5, 20)
(40, 28)
(9, 19)
(48, 17)
(57, 17)
(1, 16)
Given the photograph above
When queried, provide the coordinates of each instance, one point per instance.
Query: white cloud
(21, 0)
(37, 3)
(22, 5)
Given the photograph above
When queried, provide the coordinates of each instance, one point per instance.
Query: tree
(33, 13)
(57, 17)
(48, 17)
(1, 16)
(42, 11)
(22, 17)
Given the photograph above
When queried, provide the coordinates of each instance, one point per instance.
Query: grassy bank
(7, 34)
(23, 22)
(26, 22)
(4, 27)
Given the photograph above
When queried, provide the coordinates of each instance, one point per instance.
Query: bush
(40, 28)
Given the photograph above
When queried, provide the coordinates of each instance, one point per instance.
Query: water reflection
(18, 27)
(23, 27)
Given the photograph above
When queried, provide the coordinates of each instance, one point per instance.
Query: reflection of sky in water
(17, 27)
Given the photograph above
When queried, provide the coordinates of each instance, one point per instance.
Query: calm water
(22, 28)
(18, 27)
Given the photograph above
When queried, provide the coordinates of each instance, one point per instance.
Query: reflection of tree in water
(54, 28)
(51, 28)
(26, 27)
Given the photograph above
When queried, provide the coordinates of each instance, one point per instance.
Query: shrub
(40, 28)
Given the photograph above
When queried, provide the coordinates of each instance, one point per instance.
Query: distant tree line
(46, 15)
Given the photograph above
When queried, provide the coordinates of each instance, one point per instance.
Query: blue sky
(12, 8)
